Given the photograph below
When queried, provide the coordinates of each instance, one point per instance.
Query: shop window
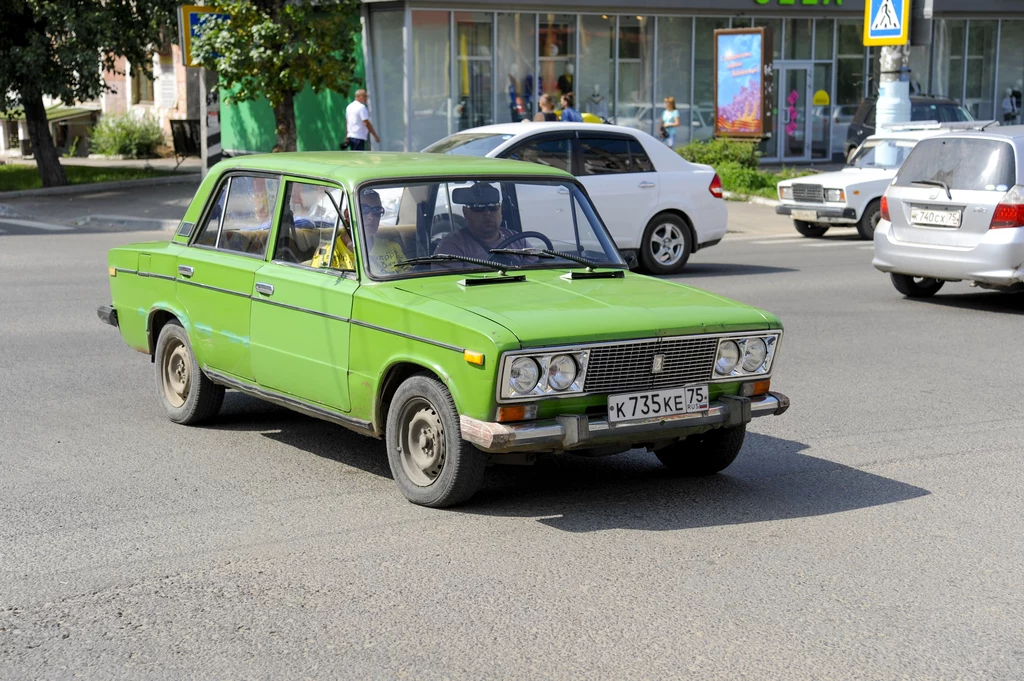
(798, 38)
(674, 55)
(981, 58)
(1011, 73)
(557, 54)
(597, 66)
(635, 106)
(517, 87)
(430, 81)
(473, 96)
(388, 67)
(704, 61)
(948, 43)
(849, 62)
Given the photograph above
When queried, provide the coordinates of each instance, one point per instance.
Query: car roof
(531, 127)
(908, 134)
(355, 167)
(1007, 132)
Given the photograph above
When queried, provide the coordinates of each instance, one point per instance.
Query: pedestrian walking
(358, 127)
(547, 109)
(669, 122)
(569, 114)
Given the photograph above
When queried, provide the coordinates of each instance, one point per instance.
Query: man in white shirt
(358, 125)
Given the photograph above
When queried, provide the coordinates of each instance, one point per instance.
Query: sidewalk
(191, 164)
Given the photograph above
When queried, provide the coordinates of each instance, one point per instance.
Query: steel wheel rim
(421, 443)
(667, 243)
(176, 373)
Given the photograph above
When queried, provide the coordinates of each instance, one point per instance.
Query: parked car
(851, 196)
(955, 212)
(650, 198)
(842, 116)
(922, 108)
(520, 331)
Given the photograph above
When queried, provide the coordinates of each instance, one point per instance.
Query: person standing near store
(358, 126)
(669, 122)
(547, 109)
(569, 114)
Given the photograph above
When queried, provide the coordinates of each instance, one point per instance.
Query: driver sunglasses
(376, 211)
(481, 207)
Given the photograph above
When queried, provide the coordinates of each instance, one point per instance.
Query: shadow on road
(771, 480)
(988, 301)
(713, 269)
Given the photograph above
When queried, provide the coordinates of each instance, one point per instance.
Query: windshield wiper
(546, 252)
(935, 183)
(443, 257)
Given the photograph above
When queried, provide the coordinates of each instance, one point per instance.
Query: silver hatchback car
(955, 212)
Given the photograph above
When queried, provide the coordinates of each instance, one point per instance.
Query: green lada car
(468, 311)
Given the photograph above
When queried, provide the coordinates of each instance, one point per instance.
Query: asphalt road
(875, 531)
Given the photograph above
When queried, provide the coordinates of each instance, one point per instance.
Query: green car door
(216, 272)
(303, 301)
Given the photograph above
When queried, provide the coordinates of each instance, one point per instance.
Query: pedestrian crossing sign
(886, 22)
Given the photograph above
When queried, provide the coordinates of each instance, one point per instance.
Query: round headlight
(728, 357)
(561, 372)
(755, 352)
(524, 375)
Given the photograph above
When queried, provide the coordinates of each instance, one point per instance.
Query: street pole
(209, 100)
(893, 105)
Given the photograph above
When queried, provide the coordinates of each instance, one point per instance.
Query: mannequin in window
(597, 103)
(565, 80)
(1010, 109)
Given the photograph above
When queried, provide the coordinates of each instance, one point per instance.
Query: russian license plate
(658, 403)
(806, 215)
(935, 218)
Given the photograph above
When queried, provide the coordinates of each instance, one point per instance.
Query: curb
(129, 222)
(732, 196)
(182, 178)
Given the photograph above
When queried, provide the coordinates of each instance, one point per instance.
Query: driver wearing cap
(481, 206)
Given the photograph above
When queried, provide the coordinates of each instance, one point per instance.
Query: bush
(716, 152)
(743, 180)
(127, 135)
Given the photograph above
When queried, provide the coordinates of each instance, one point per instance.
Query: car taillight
(1010, 211)
(885, 208)
(716, 187)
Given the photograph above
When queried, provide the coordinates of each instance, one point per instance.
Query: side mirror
(631, 260)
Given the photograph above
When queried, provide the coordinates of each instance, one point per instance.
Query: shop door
(794, 119)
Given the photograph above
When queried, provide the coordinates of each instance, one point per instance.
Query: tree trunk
(47, 161)
(284, 121)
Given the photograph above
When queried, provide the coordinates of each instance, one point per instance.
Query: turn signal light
(885, 208)
(112, 271)
(716, 187)
(1010, 211)
(473, 357)
(756, 388)
(517, 412)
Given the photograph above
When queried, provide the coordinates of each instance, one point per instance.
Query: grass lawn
(15, 176)
(759, 182)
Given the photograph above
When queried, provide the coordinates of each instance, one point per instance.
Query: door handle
(185, 270)
(265, 289)
(646, 185)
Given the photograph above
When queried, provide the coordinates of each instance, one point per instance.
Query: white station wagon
(651, 199)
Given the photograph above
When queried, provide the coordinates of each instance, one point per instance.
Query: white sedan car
(650, 198)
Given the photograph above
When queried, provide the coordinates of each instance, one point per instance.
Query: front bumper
(107, 314)
(830, 214)
(996, 260)
(567, 433)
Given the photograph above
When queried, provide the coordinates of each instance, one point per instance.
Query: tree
(274, 48)
(61, 48)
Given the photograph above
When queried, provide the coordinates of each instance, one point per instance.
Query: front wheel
(809, 229)
(430, 462)
(869, 220)
(666, 244)
(188, 396)
(704, 454)
(916, 287)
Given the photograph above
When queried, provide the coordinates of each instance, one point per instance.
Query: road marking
(866, 248)
(780, 240)
(749, 237)
(46, 226)
(830, 244)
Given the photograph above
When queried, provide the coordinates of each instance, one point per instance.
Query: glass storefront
(453, 70)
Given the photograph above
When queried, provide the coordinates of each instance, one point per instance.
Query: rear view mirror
(631, 260)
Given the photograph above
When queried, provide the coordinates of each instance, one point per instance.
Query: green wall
(319, 118)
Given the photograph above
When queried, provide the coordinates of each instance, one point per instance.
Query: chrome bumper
(566, 433)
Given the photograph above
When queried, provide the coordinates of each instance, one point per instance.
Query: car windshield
(468, 144)
(882, 153)
(472, 225)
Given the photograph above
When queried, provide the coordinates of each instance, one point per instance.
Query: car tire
(430, 462)
(916, 287)
(189, 397)
(869, 220)
(810, 230)
(666, 245)
(704, 454)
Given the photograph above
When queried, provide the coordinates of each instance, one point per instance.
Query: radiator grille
(627, 367)
(810, 193)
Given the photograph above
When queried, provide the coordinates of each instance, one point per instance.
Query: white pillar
(893, 104)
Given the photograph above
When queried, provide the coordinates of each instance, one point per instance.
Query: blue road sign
(886, 22)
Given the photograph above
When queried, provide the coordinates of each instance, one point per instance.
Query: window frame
(569, 135)
(276, 226)
(598, 134)
(225, 180)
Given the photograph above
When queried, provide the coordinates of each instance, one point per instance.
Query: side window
(605, 155)
(639, 161)
(207, 235)
(556, 153)
(313, 230)
(246, 224)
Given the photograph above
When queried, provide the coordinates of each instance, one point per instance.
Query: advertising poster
(743, 82)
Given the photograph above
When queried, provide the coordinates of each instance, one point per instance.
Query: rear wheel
(869, 220)
(916, 287)
(666, 244)
(430, 462)
(704, 454)
(809, 229)
(188, 396)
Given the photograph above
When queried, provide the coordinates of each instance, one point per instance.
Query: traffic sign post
(190, 22)
(886, 22)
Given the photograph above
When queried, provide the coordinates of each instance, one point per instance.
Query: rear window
(941, 112)
(961, 163)
(474, 144)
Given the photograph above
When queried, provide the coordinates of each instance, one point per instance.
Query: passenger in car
(383, 253)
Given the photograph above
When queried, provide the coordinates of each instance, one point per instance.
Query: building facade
(434, 69)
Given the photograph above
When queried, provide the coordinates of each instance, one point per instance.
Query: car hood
(547, 309)
(847, 177)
